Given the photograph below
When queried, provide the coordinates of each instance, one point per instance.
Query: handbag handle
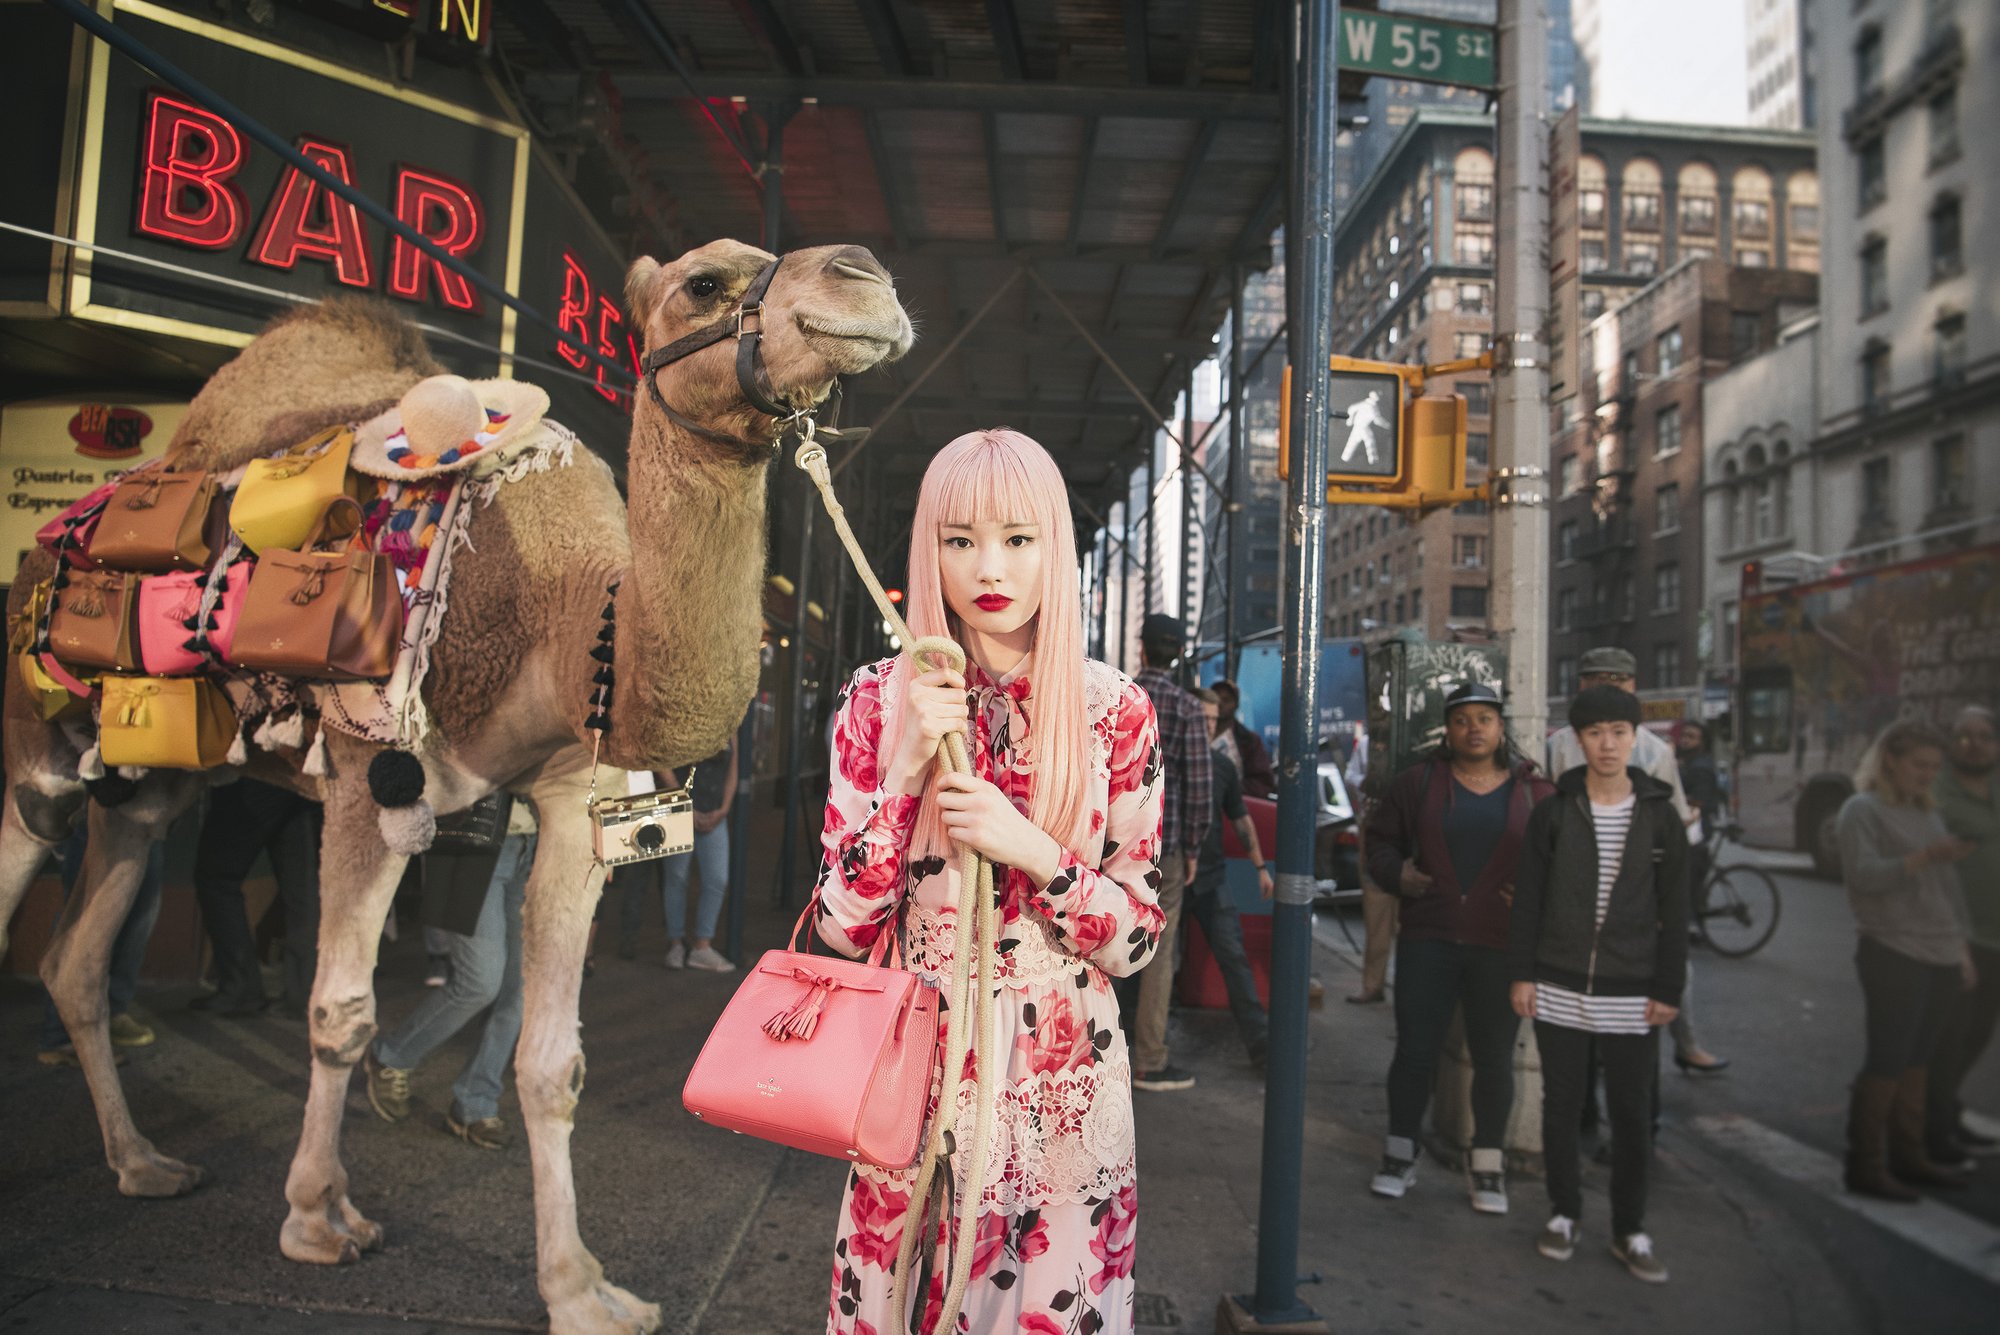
(321, 534)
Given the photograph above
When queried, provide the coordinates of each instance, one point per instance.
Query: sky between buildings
(1682, 61)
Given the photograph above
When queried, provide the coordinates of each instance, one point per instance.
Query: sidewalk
(731, 1236)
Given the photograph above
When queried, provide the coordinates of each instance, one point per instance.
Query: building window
(1478, 396)
(1698, 215)
(1472, 298)
(1753, 257)
(1868, 61)
(1667, 509)
(1948, 474)
(1593, 302)
(1770, 499)
(1667, 432)
(1590, 208)
(1667, 350)
(1752, 219)
(1472, 246)
(1944, 126)
(1949, 364)
(1697, 252)
(1475, 201)
(1805, 222)
(1592, 257)
(1875, 500)
(1642, 211)
(1874, 181)
(1875, 377)
(1401, 607)
(1621, 597)
(1566, 603)
(1565, 677)
(1745, 329)
(1947, 256)
(1566, 540)
(1469, 342)
(1874, 277)
(1568, 475)
(1468, 600)
(1666, 665)
(1667, 588)
(1642, 258)
(1726, 641)
(1477, 448)
(1468, 551)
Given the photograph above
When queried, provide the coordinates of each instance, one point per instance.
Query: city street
(730, 1235)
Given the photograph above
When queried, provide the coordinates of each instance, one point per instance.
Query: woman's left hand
(978, 816)
(1659, 1013)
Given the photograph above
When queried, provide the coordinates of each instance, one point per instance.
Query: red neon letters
(447, 213)
(579, 299)
(187, 195)
(184, 189)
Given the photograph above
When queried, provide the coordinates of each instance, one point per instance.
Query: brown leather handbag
(95, 621)
(329, 612)
(157, 521)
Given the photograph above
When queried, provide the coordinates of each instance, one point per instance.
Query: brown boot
(1868, 1138)
(1908, 1158)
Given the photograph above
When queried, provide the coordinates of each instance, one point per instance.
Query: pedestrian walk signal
(1388, 444)
(1365, 438)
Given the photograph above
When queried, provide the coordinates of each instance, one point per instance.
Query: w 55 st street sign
(1426, 50)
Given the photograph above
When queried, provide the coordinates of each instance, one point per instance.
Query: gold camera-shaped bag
(638, 829)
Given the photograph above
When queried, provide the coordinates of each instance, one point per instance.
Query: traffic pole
(1521, 367)
(1312, 98)
(1238, 483)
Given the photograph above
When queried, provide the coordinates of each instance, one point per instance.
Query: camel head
(829, 311)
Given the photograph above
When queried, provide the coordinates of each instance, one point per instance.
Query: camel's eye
(703, 287)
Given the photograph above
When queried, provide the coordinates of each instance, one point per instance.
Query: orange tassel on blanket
(802, 1017)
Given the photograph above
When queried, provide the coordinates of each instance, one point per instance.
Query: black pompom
(612, 588)
(602, 653)
(194, 645)
(192, 623)
(606, 634)
(598, 723)
(610, 611)
(62, 578)
(395, 778)
(222, 583)
(214, 622)
(604, 676)
(113, 790)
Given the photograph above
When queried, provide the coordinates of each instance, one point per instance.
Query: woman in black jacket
(1598, 952)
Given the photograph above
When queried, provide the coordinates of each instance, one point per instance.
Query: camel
(508, 693)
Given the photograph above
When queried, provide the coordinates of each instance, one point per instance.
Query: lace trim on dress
(1035, 962)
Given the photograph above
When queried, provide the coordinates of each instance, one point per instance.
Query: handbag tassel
(89, 602)
(311, 587)
(801, 1018)
(316, 756)
(90, 765)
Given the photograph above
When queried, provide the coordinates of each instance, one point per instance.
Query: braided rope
(976, 912)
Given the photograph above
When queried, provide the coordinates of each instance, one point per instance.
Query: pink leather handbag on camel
(169, 637)
(828, 1055)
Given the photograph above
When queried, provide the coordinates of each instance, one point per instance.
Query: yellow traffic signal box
(1388, 446)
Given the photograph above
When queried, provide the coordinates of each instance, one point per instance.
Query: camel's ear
(639, 280)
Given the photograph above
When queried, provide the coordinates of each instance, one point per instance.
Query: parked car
(1336, 838)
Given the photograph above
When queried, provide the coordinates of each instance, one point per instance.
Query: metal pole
(1232, 506)
(1309, 271)
(1152, 489)
(1188, 533)
(1520, 365)
(1125, 582)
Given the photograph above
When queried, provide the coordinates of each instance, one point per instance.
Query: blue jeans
(485, 971)
(1208, 904)
(128, 950)
(713, 850)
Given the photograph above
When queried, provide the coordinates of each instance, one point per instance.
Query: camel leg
(358, 877)
(548, 1063)
(76, 968)
(22, 853)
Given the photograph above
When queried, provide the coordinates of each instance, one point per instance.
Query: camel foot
(604, 1309)
(152, 1175)
(315, 1239)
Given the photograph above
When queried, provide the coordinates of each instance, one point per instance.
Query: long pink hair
(997, 476)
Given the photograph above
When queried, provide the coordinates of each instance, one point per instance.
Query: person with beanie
(1598, 954)
(1446, 839)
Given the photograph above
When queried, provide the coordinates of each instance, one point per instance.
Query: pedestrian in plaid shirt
(1189, 806)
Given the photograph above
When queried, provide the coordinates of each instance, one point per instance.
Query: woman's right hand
(933, 706)
(1944, 850)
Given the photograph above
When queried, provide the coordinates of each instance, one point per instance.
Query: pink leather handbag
(828, 1055)
(70, 532)
(168, 635)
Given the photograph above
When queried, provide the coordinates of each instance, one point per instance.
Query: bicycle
(1737, 907)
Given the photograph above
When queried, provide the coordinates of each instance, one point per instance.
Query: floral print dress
(1058, 1221)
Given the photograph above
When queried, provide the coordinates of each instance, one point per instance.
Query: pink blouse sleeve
(867, 830)
(1110, 914)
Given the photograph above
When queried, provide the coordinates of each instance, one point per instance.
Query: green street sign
(1425, 50)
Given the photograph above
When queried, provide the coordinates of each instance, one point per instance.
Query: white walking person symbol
(1362, 421)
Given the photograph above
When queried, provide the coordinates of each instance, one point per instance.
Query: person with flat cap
(1446, 839)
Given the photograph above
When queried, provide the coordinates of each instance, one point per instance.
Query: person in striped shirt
(1597, 949)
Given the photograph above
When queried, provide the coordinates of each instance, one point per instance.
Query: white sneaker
(1558, 1240)
(1636, 1251)
(710, 959)
(1398, 1172)
(677, 956)
(1486, 1181)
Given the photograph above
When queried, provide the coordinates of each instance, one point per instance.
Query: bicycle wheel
(1742, 912)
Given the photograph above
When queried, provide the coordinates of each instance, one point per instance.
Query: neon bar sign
(591, 317)
(188, 195)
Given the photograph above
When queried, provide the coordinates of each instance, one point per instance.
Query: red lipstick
(992, 602)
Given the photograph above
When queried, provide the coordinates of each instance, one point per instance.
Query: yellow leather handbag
(279, 500)
(48, 698)
(165, 722)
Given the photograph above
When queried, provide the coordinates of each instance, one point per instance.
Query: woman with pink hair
(1064, 800)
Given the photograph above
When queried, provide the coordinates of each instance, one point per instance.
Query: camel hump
(345, 359)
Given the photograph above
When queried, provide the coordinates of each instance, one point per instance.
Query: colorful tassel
(801, 1019)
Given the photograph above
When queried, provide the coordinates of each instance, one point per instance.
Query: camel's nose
(857, 262)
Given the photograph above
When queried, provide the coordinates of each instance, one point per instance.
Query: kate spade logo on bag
(770, 1089)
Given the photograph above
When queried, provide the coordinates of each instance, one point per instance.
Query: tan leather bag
(95, 621)
(324, 613)
(157, 521)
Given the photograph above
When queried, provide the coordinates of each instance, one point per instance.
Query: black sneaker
(1167, 1077)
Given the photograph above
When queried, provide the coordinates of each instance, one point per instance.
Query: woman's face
(1912, 773)
(992, 574)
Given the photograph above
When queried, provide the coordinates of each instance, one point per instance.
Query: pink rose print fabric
(1058, 1223)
